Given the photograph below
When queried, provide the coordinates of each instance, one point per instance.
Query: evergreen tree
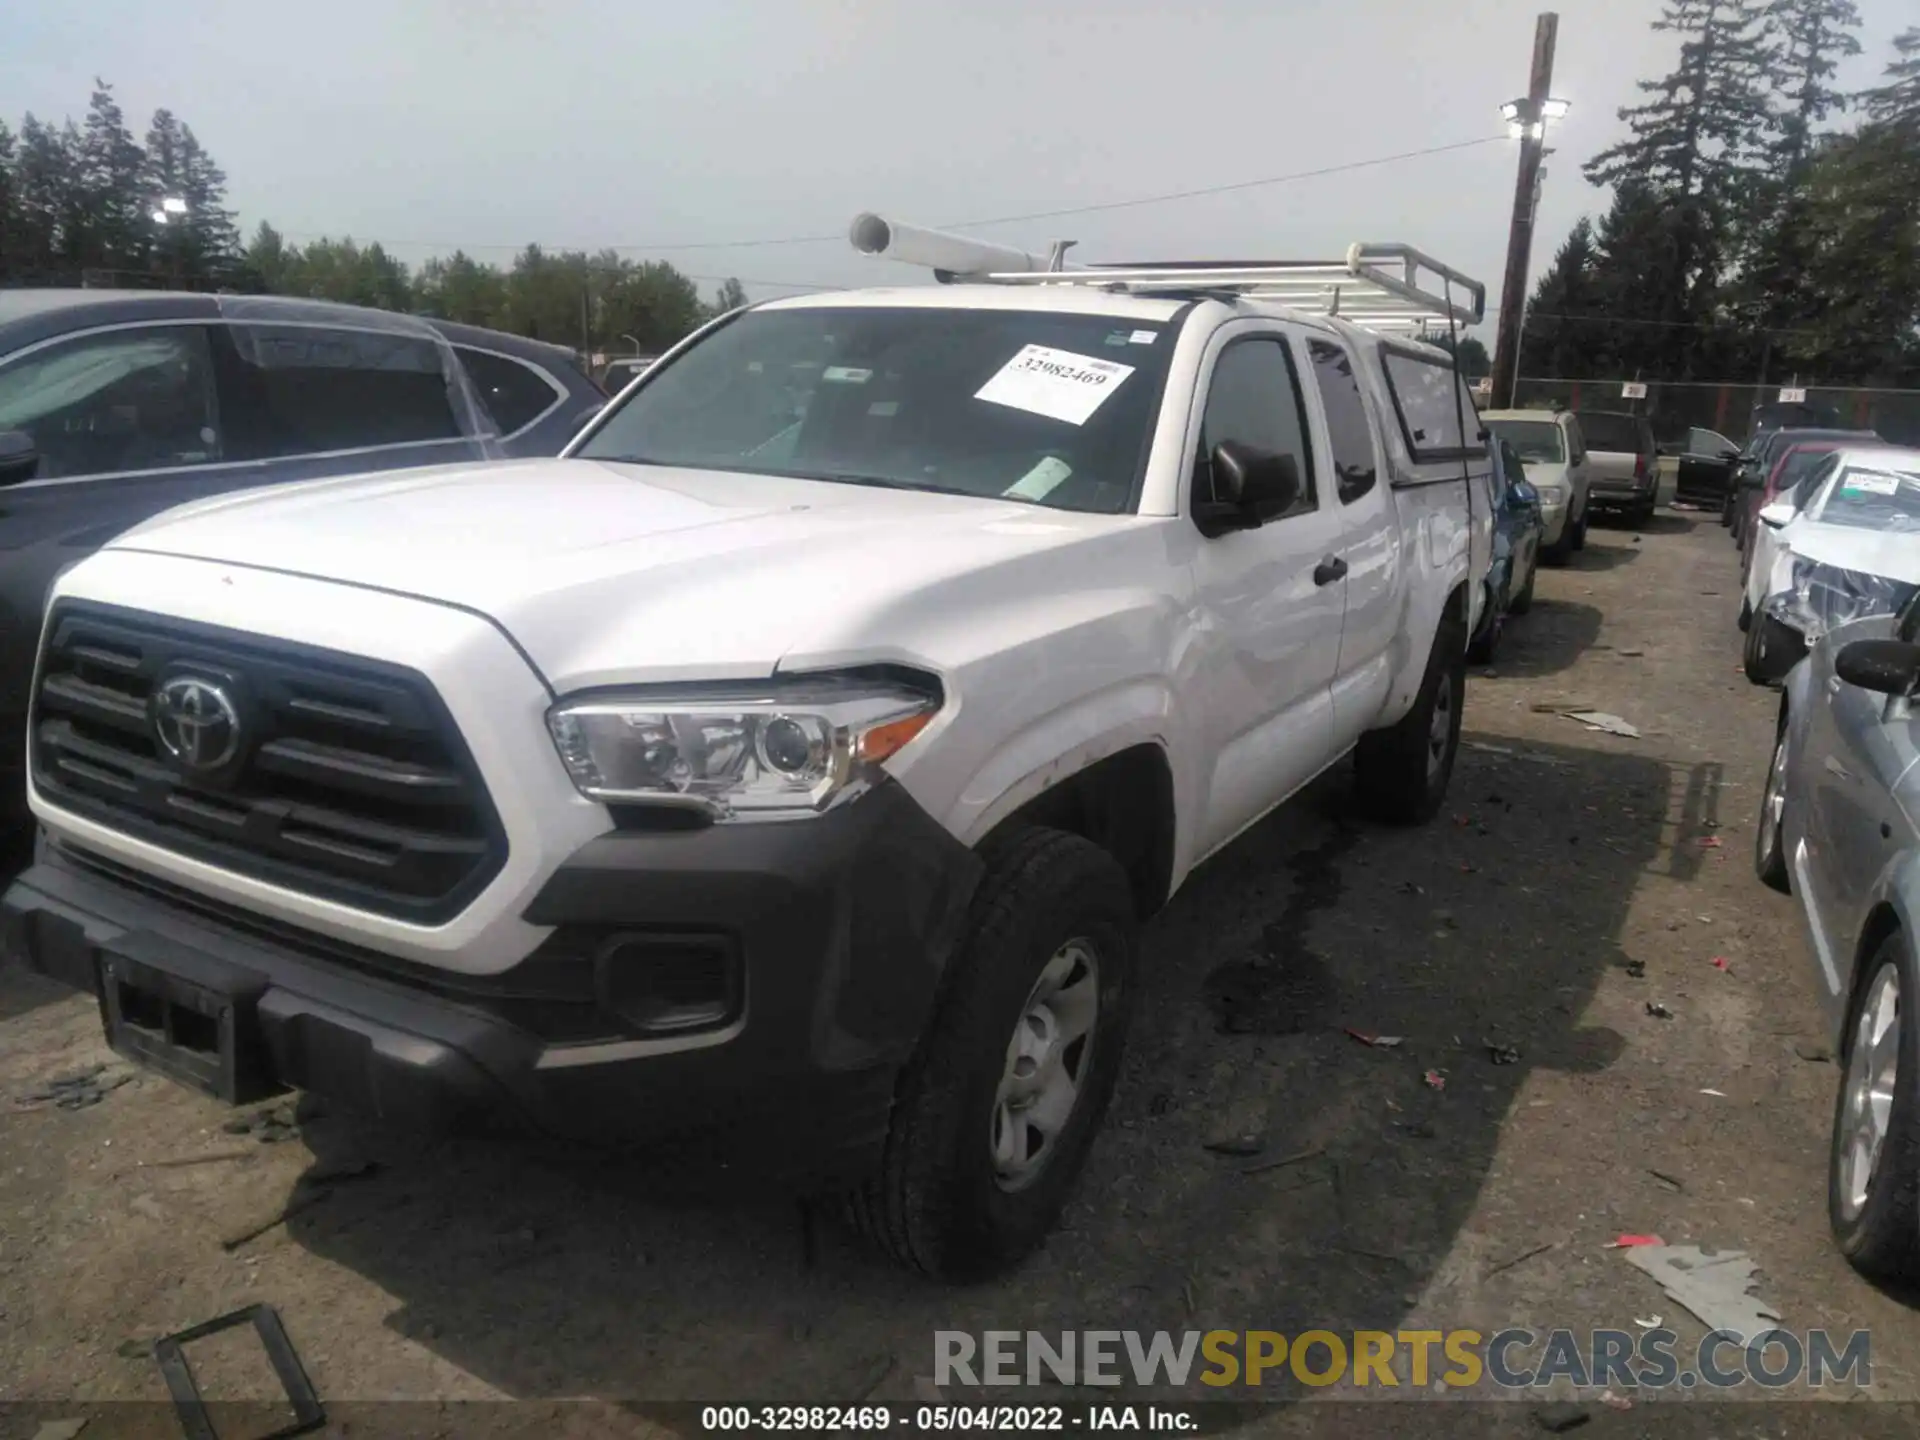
(112, 231)
(42, 178)
(1897, 102)
(213, 237)
(1811, 38)
(9, 223)
(1695, 148)
(1562, 330)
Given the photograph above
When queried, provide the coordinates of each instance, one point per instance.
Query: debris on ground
(1720, 963)
(1717, 1094)
(270, 1124)
(1632, 1242)
(1503, 1054)
(1560, 1417)
(1658, 1011)
(1652, 1322)
(1236, 1145)
(180, 1162)
(1711, 842)
(170, 1353)
(1713, 1287)
(1636, 969)
(1520, 1259)
(1666, 1179)
(77, 1090)
(1811, 1053)
(1603, 721)
(1378, 1042)
(1280, 1162)
(312, 1188)
(1615, 1402)
(1434, 1080)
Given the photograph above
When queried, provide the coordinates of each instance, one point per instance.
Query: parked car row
(1837, 827)
(786, 768)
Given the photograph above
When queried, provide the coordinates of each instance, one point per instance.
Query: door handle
(1329, 570)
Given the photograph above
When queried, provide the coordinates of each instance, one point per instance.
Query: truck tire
(1873, 1155)
(1402, 771)
(971, 1179)
(1580, 532)
(1771, 649)
(1523, 602)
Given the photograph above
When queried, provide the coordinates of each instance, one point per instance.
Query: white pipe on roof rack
(940, 251)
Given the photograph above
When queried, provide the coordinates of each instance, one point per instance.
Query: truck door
(1369, 541)
(1271, 598)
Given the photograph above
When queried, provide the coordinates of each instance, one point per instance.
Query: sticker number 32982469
(1056, 383)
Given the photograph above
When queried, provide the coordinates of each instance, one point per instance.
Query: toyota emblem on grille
(196, 723)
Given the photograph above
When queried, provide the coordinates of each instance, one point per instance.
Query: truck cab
(792, 764)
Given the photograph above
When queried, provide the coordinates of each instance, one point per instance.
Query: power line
(1100, 207)
(1236, 185)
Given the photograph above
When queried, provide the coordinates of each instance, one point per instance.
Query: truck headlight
(1553, 497)
(767, 750)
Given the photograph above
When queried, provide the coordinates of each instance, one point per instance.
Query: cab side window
(1254, 400)
(115, 402)
(291, 390)
(1356, 467)
(514, 393)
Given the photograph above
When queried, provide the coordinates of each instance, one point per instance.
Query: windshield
(1538, 441)
(1872, 499)
(1045, 408)
(1796, 465)
(1616, 434)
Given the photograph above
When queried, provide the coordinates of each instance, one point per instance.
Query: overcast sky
(431, 124)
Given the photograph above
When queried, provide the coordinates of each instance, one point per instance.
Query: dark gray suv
(117, 405)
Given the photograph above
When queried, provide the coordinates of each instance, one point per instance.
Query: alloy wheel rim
(1047, 1065)
(1440, 727)
(1773, 808)
(1866, 1112)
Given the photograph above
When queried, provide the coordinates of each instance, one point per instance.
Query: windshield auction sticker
(1055, 383)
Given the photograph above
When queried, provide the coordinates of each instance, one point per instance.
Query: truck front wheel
(1402, 771)
(999, 1106)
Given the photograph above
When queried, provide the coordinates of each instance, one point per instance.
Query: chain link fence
(1728, 407)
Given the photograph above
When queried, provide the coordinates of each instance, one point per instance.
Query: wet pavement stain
(1286, 988)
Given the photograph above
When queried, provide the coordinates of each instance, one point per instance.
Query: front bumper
(1622, 494)
(831, 932)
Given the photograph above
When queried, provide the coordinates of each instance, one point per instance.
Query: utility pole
(1529, 118)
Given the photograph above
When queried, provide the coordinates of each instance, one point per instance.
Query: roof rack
(1384, 286)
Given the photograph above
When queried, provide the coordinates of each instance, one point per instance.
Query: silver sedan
(1838, 829)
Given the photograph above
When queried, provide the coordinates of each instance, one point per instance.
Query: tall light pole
(1527, 122)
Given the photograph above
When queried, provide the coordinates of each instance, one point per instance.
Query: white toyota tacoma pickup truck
(785, 771)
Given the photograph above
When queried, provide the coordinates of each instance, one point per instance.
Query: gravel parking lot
(1579, 877)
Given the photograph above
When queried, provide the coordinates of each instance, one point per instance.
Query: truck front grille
(347, 778)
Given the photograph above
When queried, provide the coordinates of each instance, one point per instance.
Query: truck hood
(610, 573)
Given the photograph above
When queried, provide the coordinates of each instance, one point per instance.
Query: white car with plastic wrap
(1844, 545)
(788, 768)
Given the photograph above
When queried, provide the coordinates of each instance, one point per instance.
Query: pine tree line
(1762, 220)
(82, 204)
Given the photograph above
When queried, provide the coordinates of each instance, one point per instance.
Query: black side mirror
(1250, 487)
(1886, 667)
(19, 458)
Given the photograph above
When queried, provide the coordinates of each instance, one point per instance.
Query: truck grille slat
(350, 781)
